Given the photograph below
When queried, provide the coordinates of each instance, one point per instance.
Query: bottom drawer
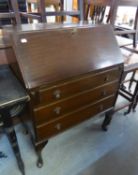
(50, 129)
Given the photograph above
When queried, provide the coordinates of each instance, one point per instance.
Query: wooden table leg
(8, 126)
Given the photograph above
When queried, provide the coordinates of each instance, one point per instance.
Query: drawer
(50, 129)
(60, 91)
(50, 112)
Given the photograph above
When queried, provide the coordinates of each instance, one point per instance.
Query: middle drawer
(46, 113)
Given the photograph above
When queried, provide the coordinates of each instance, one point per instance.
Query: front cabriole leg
(107, 119)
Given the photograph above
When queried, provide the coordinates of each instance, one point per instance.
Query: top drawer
(66, 89)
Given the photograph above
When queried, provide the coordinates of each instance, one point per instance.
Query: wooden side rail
(126, 93)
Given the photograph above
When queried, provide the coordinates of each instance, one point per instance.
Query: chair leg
(135, 104)
(129, 109)
(134, 40)
(131, 80)
(87, 8)
(135, 99)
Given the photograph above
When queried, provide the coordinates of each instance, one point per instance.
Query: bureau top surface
(50, 53)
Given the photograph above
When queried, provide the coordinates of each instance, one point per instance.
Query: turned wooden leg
(135, 103)
(38, 149)
(13, 141)
(8, 126)
(107, 120)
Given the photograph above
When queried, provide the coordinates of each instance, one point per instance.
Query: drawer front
(52, 128)
(50, 112)
(64, 90)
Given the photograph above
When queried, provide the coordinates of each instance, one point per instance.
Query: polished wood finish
(34, 46)
(63, 90)
(56, 126)
(70, 74)
(45, 113)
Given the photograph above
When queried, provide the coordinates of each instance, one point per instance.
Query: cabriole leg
(38, 149)
(107, 120)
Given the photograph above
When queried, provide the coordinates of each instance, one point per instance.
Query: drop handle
(57, 110)
(57, 94)
(58, 126)
(106, 78)
(104, 93)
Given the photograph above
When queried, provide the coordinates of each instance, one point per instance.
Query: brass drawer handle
(57, 110)
(106, 78)
(57, 94)
(58, 126)
(104, 93)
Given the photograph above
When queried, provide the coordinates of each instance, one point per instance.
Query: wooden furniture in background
(15, 7)
(96, 10)
(55, 3)
(42, 14)
(67, 87)
(5, 49)
(14, 16)
(75, 7)
(97, 14)
(9, 12)
(123, 31)
(125, 91)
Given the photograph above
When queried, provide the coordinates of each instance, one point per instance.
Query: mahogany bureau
(71, 72)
